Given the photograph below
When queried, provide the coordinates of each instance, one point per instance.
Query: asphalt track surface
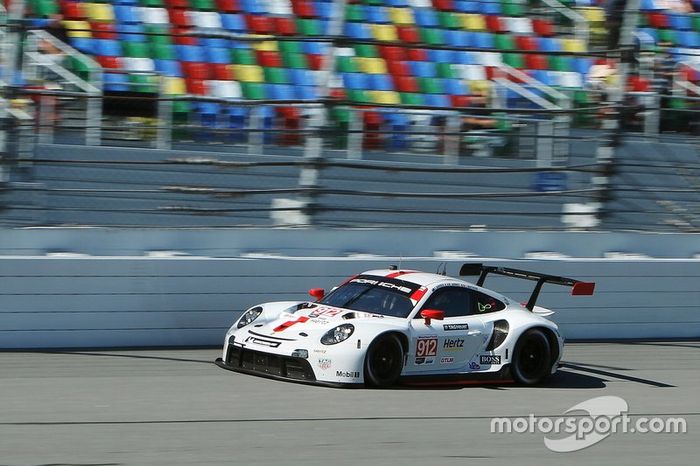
(176, 407)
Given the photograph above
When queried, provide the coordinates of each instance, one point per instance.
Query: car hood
(307, 319)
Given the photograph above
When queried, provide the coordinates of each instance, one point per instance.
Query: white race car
(383, 327)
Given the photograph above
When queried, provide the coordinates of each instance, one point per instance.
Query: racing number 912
(426, 347)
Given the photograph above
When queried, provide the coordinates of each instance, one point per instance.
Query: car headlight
(338, 334)
(249, 316)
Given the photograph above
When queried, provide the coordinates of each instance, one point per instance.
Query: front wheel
(384, 361)
(531, 357)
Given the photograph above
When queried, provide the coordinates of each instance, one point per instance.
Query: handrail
(581, 29)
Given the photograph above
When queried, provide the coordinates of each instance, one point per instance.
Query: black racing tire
(532, 357)
(383, 361)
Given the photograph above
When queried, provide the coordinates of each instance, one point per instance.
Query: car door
(446, 345)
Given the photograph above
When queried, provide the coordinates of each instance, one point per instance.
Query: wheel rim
(383, 360)
(531, 358)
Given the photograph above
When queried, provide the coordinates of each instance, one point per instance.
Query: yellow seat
(100, 12)
(385, 97)
(385, 32)
(77, 28)
(573, 45)
(266, 46)
(482, 87)
(249, 73)
(401, 15)
(371, 65)
(174, 86)
(593, 15)
(474, 22)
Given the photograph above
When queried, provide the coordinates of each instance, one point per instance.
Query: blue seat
(190, 53)
(399, 3)
(690, 39)
(218, 55)
(466, 6)
(355, 81)
(127, 2)
(358, 31)
(483, 40)
(377, 14)
(425, 17)
(455, 87)
(543, 76)
(125, 14)
(131, 32)
(648, 35)
(490, 8)
(649, 5)
(84, 44)
(305, 92)
(437, 100)
(300, 77)
(423, 69)
(280, 92)
(254, 7)
(208, 113)
(583, 65)
(233, 22)
(465, 58)
(115, 82)
(680, 22)
(108, 48)
(548, 44)
(168, 67)
(457, 38)
(215, 42)
(381, 82)
(312, 47)
(441, 56)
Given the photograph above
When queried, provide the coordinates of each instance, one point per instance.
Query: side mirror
(317, 293)
(429, 314)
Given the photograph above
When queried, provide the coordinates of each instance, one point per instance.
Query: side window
(485, 304)
(453, 301)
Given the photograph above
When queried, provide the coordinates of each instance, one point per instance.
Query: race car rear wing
(579, 288)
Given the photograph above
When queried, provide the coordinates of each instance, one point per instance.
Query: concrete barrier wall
(51, 302)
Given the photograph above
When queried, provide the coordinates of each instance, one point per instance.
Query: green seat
(253, 91)
(79, 67)
(353, 12)
(149, 83)
(445, 70)
(340, 115)
(153, 3)
(432, 36)
(163, 51)
(276, 75)
(449, 20)
(158, 34)
(207, 5)
(44, 8)
(309, 27)
(136, 49)
(430, 85)
(411, 98)
(290, 46)
(295, 60)
(357, 95)
(516, 60)
(667, 35)
(181, 111)
(366, 50)
(561, 63)
(512, 8)
(696, 21)
(346, 65)
(504, 41)
(243, 57)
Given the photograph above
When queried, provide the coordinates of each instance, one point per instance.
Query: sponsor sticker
(348, 374)
(426, 361)
(426, 346)
(450, 327)
(324, 363)
(325, 311)
(447, 360)
(474, 366)
(490, 359)
(453, 344)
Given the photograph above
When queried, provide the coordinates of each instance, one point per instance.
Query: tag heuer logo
(448, 327)
(489, 359)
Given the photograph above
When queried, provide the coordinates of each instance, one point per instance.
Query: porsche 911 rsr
(384, 327)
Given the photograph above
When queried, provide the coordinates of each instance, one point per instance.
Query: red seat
(337, 93)
(444, 5)
(495, 24)
(228, 6)
(638, 84)
(73, 10)
(542, 27)
(398, 68)
(195, 70)
(658, 20)
(460, 100)
(536, 62)
(260, 24)
(315, 61)
(180, 4)
(408, 34)
(182, 36)
(526, 43)
(222, 71)
(490, 72)
(196, 86)
(392, 53)
(285, 26)
(103, 30)
(269, 59)
(179, 18)
(417, 55)
(405, 84)
(303, 9)
(109, 62)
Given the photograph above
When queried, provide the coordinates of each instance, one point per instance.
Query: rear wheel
(384, 361)
(531, 358)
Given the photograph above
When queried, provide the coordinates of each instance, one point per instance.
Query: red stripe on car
(289, 323)
(399, 273)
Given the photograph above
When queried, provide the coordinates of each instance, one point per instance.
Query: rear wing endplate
(579, 288)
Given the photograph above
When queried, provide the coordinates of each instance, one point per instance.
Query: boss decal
(449, 327)
(426, 346)
(490, 359)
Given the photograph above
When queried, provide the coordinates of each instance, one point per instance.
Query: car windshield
(378, 295)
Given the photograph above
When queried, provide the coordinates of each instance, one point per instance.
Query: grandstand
(506, 113)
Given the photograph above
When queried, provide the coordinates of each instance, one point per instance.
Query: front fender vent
(500, 332)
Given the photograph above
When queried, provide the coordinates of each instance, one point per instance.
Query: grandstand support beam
(313, 151)
(605, 155)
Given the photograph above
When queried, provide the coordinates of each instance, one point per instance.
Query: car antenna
(444, 268)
